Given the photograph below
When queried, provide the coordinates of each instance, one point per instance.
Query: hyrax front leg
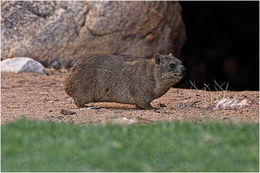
(146, 106)
(141, 101)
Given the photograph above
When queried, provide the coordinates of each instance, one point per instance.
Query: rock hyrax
(122, 78)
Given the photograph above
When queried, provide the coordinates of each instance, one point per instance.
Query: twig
(193, 103)
(193, 84)
(207, 86)
(218, 85)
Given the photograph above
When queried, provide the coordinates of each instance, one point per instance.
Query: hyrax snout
(122, 78)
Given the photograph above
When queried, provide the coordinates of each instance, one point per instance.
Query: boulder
(48, 30)
(21, 64)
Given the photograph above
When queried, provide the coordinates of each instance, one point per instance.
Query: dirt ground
(42, 97)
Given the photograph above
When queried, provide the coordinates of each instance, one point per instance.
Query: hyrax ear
(170, 54)
(158, 58)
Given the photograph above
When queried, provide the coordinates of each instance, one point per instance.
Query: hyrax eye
(172, 65)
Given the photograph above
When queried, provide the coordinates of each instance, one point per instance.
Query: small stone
(181, 105)
(157, 110)
(55, 64)
(21, 64)
(67, 112)
(44, 63)
(60, 117)
(149, 37)
(162, 105)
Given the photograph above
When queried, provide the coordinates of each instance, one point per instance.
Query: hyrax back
(122, 78)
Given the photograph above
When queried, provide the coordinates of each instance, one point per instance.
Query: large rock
(21, 64)
(66, 30)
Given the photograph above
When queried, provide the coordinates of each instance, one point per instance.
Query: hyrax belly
(110, 87)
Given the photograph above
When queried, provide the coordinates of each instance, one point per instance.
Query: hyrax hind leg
(80, 102)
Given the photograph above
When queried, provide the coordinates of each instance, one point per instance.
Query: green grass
(163, 146)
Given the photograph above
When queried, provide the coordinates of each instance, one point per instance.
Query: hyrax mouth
(183, 70)
(180, 72)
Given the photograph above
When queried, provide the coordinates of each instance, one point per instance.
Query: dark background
(222, 44)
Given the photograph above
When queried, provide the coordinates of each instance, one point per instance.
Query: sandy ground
(42, 97)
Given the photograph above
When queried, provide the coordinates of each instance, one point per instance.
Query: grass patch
(164, 146)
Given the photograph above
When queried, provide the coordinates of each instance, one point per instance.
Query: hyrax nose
(183, 70)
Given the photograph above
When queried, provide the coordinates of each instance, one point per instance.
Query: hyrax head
(169, 67)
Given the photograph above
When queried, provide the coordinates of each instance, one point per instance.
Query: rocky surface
(21, 65)
(39, 29)
(50, 30)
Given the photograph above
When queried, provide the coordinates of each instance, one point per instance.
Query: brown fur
(122, 78)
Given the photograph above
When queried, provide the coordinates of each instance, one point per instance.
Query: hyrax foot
(146, 106)
(80, 105)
